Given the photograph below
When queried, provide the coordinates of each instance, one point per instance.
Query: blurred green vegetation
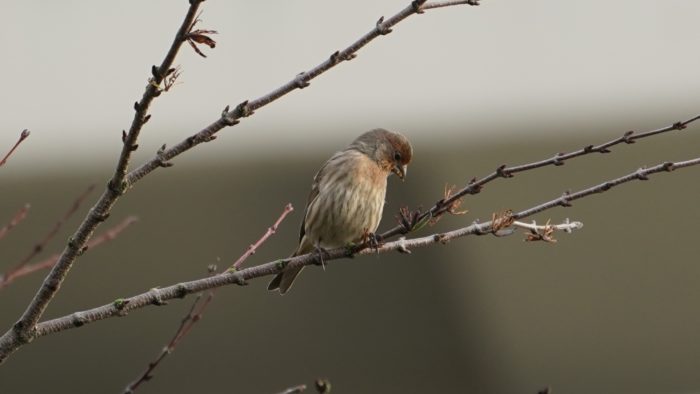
(611, 308)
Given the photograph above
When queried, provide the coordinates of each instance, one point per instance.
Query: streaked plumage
(347, 195)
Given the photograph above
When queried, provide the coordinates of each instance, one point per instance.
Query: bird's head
(391, 151)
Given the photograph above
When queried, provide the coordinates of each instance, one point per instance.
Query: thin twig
(186, 323)
(49, 262)
(475, 186)
(16, 219)
(197, 309)
(22, 136)
(39, 246)
(270, 231)
(122, 307)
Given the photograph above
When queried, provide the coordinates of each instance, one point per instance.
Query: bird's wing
(312, 196)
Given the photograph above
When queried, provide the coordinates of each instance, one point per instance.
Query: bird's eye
(397, 156)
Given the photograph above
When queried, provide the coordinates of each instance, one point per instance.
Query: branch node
(564, 200)
(123, 135)
(557, 161)
(160, 155)
(627, 137)
(301, 80)
(228, 117)
(181, 291)
(156, 297)
(78, 319)
(501, 171)
(402, 246)
(335, 57)
(418, 6)
(641, 175)
(137, 106)
(146, 118)
(381, 29)
(119, 304)
(668, 166)
(118, 189)
(242, 110)
(679, 126)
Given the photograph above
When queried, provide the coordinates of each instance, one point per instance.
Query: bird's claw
(319, 252)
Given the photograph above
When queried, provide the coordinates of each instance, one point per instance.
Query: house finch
(347, 197)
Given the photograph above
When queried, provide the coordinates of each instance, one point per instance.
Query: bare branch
(447, 204)
(122, 307)
(22, 136)
(49, 262)
(39, 246)
(23, 330)
(248, 107)
(197, 309)
(16, 219)
(270, 231)
(193, 316)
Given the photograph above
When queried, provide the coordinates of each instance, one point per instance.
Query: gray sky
(72, 69)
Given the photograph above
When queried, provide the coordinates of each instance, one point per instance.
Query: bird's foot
(319, 253)
(372, 240)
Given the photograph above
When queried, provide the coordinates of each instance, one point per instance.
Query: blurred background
(611, 308)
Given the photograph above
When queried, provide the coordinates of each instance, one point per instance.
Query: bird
(347, 196)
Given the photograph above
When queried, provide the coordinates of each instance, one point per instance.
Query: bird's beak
(400, 171)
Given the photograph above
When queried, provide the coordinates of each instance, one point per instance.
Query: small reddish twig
(270, 231)
(193, 316)
(199, 306)
(39, 246)
(49, 262)
(22, 136)
(16, 219)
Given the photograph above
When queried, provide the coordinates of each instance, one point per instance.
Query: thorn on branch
(383, 30)
(627, 137)
(137, 106)
(123, 136)
(146, 118)
(335, 57)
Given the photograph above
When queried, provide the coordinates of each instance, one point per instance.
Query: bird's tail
(284, 280)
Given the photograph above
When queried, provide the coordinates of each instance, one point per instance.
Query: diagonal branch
(122, 307)
(49, 262)
(16, 219)
(199, 306)
(300, 81)
(22, 136)
(23, 330)
(39, 246)
(475, 186)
